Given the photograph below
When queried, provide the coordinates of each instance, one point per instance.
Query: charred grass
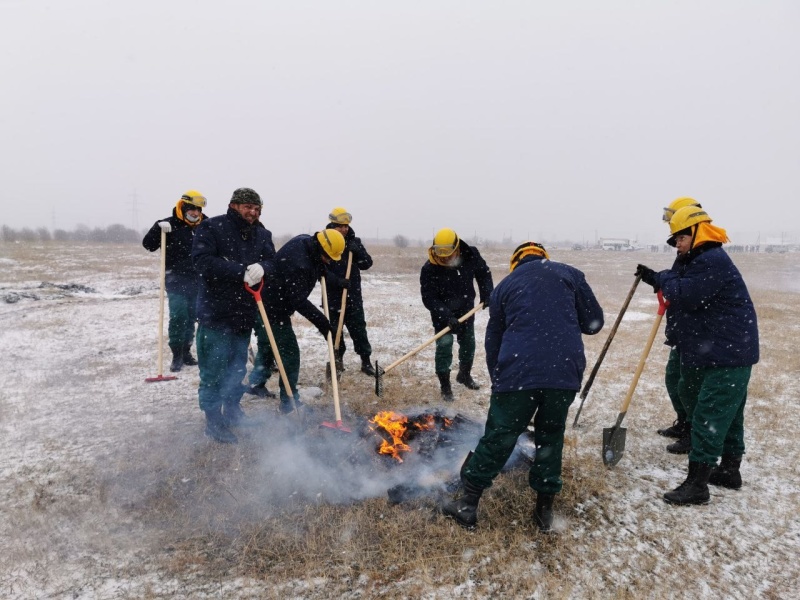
(162, 499)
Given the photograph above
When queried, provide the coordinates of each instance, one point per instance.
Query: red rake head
(338, 425)
(160, 378)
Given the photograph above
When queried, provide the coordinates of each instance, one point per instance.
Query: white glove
(253, 274)
(165, 226)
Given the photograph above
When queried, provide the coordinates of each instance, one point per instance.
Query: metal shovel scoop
(614, 437)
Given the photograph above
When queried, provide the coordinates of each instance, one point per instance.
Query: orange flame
(396, 425)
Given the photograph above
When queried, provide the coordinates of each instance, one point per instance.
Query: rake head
(379, 372)
(160, 378)
(338, 425)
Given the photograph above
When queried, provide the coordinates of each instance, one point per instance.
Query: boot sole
(219, 440)
(726, 486)
(679, 503)
(459, 522)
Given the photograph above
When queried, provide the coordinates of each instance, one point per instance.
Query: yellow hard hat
(445, 242)
(194, 198)
(332, 242)
(678, 203)
(686, 217)
(340, 216)
(524, 250)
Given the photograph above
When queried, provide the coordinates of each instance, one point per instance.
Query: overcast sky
(526, 119)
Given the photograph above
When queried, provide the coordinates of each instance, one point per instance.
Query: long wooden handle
(160, 367)
(344, 303)
(596, 368)
(444, 331)
(286, 385)
(331, 355)
(640, 368)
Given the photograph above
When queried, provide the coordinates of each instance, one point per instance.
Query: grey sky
(521, 119)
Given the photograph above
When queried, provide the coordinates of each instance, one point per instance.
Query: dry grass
(139, 495)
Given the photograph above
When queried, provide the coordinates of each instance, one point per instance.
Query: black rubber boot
(188, 359)
(444, 382)
(464, 509)
(177, 358)
(695, 489)
(366, 366)
(234, 416)
(677, 430)
(543, 513)
(684, 443)
(727, 473)
(465, 378)
(216, 428)
(261, 391)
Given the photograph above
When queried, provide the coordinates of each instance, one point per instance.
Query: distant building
(618, 244)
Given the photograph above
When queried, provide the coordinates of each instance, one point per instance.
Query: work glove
(344, 283)
(253, 274)
(165, 226)
(454, 325)
(324, 327)
(648, 276)
(353, 245)
(485, 302)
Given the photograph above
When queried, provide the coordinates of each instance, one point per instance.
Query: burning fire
(400, 429)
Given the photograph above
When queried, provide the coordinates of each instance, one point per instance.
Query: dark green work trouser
(222, 357)
(509, 415)
(286, 341)
(466, 348)
(714, 399)
(672, 380)
(356, 324)
(182, 317)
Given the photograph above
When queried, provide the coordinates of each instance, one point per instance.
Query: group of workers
(534, 347)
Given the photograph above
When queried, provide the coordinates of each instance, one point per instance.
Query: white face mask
(192, 217)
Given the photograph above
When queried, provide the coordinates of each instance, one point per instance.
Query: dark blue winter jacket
(536, 317)
(712, 318)
(449, 292)
(299, 268)
(337, 270)
(181, 277)
(223, 248)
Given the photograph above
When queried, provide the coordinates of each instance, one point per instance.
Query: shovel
(614, 437)
(596, 368)
(379, 372)
(160, 367)
(256, 292)
(332, 358)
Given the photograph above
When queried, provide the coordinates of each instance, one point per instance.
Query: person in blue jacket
(715, 329)
(300, 264)
(228, 251)
(180, 278)
(448, 292)
(681, 428)
(534, 352)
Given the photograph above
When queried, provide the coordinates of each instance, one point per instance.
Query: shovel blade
(613, 445)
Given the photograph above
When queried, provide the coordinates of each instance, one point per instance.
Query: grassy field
(110, 489)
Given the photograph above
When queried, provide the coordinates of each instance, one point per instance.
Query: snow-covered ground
(101, 477)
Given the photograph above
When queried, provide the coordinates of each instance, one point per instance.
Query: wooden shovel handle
(444, 331)
(331, 355)
(344, 303)
(662, 306)
(256, 292)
